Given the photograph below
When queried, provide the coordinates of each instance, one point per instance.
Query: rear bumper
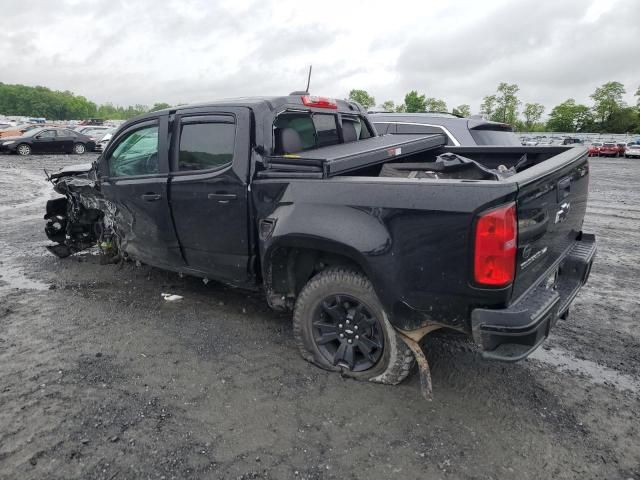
(511, 334)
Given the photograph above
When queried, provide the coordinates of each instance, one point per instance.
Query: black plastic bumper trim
(513, 333)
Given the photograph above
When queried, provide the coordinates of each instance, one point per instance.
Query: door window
(136, 154)
(206, 146)
(47, 134)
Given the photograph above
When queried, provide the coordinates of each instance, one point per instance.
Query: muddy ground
(102, 379)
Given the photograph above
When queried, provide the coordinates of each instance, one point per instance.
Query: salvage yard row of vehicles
(372, 241)
(612, 149)
(54, 138)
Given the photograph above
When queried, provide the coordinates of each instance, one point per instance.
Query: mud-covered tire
(23, 150)
(396, 361)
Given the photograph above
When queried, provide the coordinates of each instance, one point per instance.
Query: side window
(136, 154)
(47, 134)
(417, 129)
(381, 127)
(205, 146)
(420, 130)
(353, 128)
(69, 133)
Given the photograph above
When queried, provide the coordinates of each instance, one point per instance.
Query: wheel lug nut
(339, 325)
(355, 327)
(347, 322)
(350, 341)
(342, 335)
(357, 337)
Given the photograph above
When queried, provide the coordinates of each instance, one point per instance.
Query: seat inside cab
(296, 132)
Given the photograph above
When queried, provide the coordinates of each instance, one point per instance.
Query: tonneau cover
(336, 159)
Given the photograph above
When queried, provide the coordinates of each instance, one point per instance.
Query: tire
(325, 300)
(79, 148)
(23, 150)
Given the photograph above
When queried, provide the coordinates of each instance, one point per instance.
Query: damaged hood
(72, 170)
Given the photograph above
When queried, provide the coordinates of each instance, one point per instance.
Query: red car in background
(609, 149)
(594, 149)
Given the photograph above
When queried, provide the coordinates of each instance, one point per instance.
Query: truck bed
(340, 159)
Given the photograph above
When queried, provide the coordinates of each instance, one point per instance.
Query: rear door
(551, 206)
(67, 139)
(134, 180)
(208, 188)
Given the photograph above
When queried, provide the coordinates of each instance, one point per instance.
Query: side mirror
(38, 137)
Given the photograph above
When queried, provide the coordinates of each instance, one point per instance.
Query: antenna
(309, 78)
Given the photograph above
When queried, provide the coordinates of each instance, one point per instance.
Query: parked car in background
(609, 149)
(621, 148)
(572, 141)
(47, 140)
(459, 131)
(90, 128)
(594, 149)
(96, 134)
(103, 141)
(632, 150)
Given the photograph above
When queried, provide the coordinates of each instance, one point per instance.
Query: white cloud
(182, 51)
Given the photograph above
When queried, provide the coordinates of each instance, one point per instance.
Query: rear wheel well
(290, 268)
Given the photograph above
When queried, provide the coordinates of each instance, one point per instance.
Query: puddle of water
(598, 374)
(43, 192)
(12, 278)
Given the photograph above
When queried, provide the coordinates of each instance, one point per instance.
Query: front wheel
(23, 150)
(340, 325)
(79, 148)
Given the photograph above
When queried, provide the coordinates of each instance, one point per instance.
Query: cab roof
(272, 103)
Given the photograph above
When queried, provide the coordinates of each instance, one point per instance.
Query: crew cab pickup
(372, 241)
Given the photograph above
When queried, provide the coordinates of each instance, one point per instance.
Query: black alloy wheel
(347, 334)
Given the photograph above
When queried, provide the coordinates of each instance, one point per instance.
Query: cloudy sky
(182, 51)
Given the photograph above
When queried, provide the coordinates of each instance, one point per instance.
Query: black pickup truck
(372, 241)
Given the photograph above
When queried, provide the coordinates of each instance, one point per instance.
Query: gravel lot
(102, 379)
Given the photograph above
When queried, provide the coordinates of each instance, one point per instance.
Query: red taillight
(496, 238)
(319, 102)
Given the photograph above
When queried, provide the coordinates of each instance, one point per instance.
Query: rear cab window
(300, 131)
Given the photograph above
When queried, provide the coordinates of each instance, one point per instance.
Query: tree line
(607, 114)
(22, 100)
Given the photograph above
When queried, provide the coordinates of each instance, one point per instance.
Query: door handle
(222, 197)
(151, 197)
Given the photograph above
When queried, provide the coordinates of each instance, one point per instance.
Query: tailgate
(551, 203)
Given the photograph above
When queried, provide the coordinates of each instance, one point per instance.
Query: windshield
(494, 137)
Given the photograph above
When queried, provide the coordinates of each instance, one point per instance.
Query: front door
(134, 179)
(46, 141)
(208, 189)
